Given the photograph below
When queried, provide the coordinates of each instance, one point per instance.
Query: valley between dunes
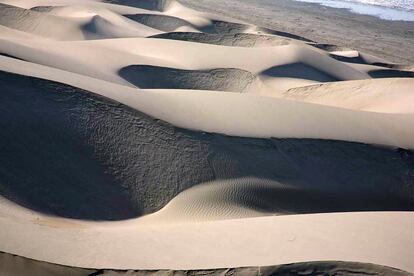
(145, 135)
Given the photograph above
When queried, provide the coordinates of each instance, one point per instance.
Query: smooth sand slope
(381, 238)
(146, 135)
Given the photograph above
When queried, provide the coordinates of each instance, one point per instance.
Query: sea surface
(385, 9)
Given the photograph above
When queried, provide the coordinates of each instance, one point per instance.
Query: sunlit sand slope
(144, 135)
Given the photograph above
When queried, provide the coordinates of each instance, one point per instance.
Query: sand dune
(221, 79)
(164, 23)
(378, 95)
(277, 117)
(238, 39)
(121, 149)
(276, 66)
(158, 5)
(15, 265)
(127, 154)
(379, 238)
(79, 28)
(39, 24)
(252, 197)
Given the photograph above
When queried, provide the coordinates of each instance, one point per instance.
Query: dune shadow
(17, 265)
(68, 152)
(155, 5)
(358, 59)
(283, 34)
(11, 56)
(46, 167)
(164, 23)
(220, 79)
(331, 268)
(224, 27)
(390, 73)
(44, 8)
(329, 47)
(361, 60)
(237, 40)
(300, 71)
(269, 197)
(92, 28)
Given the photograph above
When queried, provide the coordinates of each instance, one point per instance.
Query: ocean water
(385, 9)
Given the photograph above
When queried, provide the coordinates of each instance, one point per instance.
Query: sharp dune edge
(146, 137)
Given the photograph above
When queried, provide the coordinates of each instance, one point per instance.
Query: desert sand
(148, 137)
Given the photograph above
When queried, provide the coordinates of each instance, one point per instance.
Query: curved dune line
(49, 25)
(273, 65)
(392, 95)
(255, 197)
(15, 265)
(120, 150)
(239, 39)
(242, 115)
(89, 153)
(218, 79)
(381, 238)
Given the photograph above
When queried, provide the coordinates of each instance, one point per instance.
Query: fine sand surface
(145, 135)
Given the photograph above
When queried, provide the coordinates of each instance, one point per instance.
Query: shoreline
(390, 40)
(378, 11)
(145, 135)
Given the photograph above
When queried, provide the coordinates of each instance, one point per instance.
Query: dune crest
(145, 135)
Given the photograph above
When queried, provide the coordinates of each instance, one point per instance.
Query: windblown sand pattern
(144, 135)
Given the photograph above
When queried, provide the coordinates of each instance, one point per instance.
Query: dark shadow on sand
(299, 71)
(68, 152)
(16, 265)
(389, 73)
(164, 23)
(155, 77)
(154, 5)
(238, 40)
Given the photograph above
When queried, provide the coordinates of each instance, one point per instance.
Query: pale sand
(381, 238)
(222, 143)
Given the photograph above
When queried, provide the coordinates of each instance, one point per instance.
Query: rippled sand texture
(144, 135)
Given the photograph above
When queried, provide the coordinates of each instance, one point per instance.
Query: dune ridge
(145, 135)
(220, 79)
(129, 152)
(238, 39)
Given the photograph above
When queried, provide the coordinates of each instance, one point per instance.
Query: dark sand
(391, 40)
(11, 265)
(70, 153)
